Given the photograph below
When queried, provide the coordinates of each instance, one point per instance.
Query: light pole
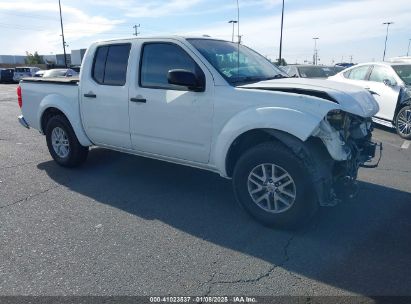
(136, 32)
(62, 36)
(408, 51)
(386, 38)
(281, 36)
(315, 51)
(238, 22)
(234, 22)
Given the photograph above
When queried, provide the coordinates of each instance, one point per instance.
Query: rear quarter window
(359, 73)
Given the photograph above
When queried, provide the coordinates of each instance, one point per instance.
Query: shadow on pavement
(363, 246)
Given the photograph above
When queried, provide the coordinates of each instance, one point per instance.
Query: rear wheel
(403, 122)
(273, 185)
(63, 144)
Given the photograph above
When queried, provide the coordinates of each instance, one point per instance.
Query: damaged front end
(347, 138)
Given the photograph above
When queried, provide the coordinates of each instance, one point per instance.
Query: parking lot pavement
(124, 225)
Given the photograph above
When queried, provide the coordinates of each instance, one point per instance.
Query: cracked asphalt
(124, 225)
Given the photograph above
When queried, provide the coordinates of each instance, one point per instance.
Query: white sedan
(390, 84)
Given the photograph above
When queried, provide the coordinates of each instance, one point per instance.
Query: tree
(282, 63)
(33, 58)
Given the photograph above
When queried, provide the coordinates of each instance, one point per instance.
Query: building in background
(12, 59)
(56, 60)
(77, 56)
(53, 60)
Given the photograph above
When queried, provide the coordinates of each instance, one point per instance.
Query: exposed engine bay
(347, 138)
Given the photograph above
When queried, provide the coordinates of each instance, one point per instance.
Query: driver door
(385, 94)
(166, 119)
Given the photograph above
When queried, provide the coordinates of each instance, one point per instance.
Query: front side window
(379, 74)
(359, 73)
(158, 59)
(110, 64)
(236, 63)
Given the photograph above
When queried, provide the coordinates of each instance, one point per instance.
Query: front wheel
(403, 122)
(63, 144)
(273, 185)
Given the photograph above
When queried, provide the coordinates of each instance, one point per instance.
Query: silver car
(22, 72)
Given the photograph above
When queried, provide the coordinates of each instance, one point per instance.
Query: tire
(403, 122)
(66, 151)
(297, 183)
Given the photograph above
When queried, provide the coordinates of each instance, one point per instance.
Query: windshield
(236, 63)
(313, 72)
(22, 70)
(404, 72)
(332, 70)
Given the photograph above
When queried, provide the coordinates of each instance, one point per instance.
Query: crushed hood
(351, 99)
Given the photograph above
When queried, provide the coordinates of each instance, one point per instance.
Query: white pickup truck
(288, 144)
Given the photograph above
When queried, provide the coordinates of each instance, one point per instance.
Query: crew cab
(289, 145)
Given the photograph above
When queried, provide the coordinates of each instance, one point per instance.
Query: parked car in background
(76, 68)
(39, 73)
(59, 73)
(22, 72)
(6, 75)
(390, 84)
(288, 144)
(403, 59)
(345, 64)
(311, 71)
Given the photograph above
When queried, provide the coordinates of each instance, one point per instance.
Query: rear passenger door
(104, 96)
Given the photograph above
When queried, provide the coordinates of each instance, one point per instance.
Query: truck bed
(55, 80)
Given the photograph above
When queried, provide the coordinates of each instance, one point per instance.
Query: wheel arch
(54, 105)
(403, 101)
(261, 123)
(312, 152)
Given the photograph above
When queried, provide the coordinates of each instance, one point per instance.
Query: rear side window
(359, 73)
(110, 64)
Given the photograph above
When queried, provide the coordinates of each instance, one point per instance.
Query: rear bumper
(23, 122)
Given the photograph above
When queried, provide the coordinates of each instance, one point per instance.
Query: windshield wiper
(251, 79)
(278, 76)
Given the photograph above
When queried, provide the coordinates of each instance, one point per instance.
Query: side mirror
(187, 79)
(389, 83)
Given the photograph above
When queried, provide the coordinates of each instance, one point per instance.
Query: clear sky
(345, 27)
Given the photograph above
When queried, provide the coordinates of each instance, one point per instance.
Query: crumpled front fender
(296, 123)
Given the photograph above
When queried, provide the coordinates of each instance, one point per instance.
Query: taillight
(19, 98)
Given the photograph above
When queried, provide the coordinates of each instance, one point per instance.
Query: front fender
(293, 122)
(70, 109)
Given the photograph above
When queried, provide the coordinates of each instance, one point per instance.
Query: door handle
(141, 100)
(90, 95)
(372, 92)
